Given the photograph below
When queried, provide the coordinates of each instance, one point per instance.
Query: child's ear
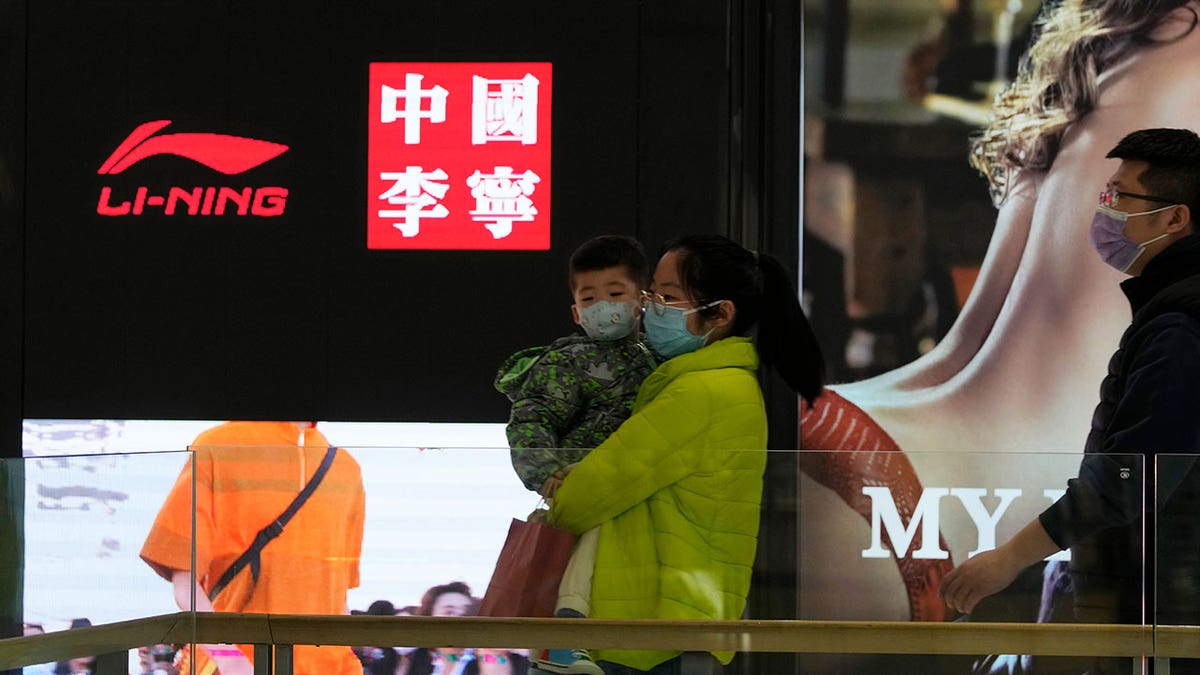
(575, 313)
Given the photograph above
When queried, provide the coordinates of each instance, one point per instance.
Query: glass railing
(83, 519)
(418, 531)
(1176, 549)
(851, 504)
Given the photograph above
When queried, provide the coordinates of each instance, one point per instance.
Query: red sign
(220, 152)
(458, 156)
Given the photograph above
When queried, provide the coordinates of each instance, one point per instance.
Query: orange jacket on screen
(246, 474)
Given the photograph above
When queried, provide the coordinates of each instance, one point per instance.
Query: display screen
(439, 499)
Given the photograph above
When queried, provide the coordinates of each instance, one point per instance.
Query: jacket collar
(731, 352)
(1175, 263)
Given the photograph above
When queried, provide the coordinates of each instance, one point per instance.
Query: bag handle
(253, 555)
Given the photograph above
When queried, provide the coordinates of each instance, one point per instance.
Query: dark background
(292, 317)
(668, 118)
(662, 126)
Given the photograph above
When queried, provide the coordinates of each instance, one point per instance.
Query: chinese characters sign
(458, 156)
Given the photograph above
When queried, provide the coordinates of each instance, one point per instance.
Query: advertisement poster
(968, 322)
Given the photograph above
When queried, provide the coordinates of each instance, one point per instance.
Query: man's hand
(550, 487)
(986, 574)
(992, 571)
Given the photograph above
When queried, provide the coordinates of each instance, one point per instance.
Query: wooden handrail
(757, 636)
(111, 637)
(844, 637)
(1177, 641)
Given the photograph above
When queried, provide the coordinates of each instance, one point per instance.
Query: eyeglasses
(1110, 198)
(659, 304)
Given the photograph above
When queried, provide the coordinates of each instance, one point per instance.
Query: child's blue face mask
(605, 321)
(667, 332)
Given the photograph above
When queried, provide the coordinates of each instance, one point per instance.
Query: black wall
(12, 215)
(12, 154)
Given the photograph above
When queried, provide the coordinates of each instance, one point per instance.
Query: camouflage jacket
(567, 398)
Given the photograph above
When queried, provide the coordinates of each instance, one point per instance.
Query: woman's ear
(722, 319)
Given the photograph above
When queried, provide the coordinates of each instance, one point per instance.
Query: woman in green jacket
(676, 489)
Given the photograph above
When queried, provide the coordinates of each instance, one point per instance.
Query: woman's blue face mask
(666, 330)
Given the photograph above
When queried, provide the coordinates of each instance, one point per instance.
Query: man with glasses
(1149, 405)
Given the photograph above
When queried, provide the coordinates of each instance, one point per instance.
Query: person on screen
(80, 665)
(378, 660)
(1143, 226)
(160, 659)
(246, 474)
(571, 395)
(1018, 370)
(39, 668)
(676, 490)
(450, 600)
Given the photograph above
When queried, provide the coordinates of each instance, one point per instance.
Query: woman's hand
(550, 487)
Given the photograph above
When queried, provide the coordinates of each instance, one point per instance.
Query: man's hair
(1173, 156)
(610, 250)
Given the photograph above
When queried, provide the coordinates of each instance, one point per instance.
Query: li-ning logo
(229, 155)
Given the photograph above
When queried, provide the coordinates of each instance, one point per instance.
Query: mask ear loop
(1146, 213)
(1142, 249)
(714, 303)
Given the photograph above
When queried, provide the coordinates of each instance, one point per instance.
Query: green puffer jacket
(676, 493)
(567, 398)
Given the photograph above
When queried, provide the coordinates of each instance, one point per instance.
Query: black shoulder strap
(252, 555)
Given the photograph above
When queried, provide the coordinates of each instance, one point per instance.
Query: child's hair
(713, 268)
(610, 250)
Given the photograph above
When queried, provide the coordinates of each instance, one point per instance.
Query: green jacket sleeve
(647, 453)
(541, 413)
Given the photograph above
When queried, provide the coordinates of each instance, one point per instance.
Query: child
(568, 397)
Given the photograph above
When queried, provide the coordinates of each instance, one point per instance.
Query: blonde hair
(1056, 82)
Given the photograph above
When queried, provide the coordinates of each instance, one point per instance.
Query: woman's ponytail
(785, 339)
(713, 267)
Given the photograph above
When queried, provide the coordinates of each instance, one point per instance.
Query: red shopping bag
(528, 571)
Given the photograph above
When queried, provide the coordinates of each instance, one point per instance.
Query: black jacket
(1149, 406)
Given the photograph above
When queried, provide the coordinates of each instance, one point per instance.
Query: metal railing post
(263, 660)
(113, 663)
(283, 660)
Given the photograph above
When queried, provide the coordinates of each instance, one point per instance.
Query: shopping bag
(528, 571)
